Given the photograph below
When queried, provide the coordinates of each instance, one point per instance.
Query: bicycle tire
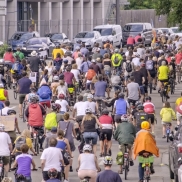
(126, 172)
(150, 86)
(105, 150)
(167, 137)
(9, 81)
(23, 111)
(36, 145)
(15, 95)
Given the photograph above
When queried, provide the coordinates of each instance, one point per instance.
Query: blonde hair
(60, 134)
(50, 64)
(26, 133)
(74, 66)
(88, 117)
(66, 116)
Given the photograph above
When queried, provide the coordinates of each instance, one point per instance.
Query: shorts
(145, 87)
(46, 177)
(79, 119)
(142, 90)
(179, 116)
(122, 147)
(117, 118)
(21, 98)
(72, 146)
(130, 101)
(90, 135)
(152, 73)
(16, 76)
(165, 123)
(47, 103)
(163, 81)
(152, 118)
(107, 132)
(6, 160)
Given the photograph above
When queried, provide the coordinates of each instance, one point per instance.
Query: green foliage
(140, 4)
(172, 8)
(3, 49)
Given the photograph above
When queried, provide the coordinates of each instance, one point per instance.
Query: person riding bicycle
(87, 164)
(121, 107)
(108, 175)
(19, 53)
(35, 112)
(52, 173)
(106, 131)
(116, 60)
(63, 103)
(3, 93)
(167, 114)
(139, 117)
(6, 148)
(163, 75)
(178, 105)
(23, 164)
(149, 108)
(44, 92)
(125, 134)
(57, 50)
(88, 128)
(145, 146)
(8, 57)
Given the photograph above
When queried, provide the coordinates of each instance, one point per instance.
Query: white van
(111, 32)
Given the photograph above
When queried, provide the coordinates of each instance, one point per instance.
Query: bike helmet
(2, 127)
(108, 160)
(11, 111)
(116, 50)
(89, 96)
(1, 85)
(87, 147)
(88, 111)
(52, 173)
(65, 60)
(124, 117)
(56, 107)
(56, 78)
(145, 125)
(138, 103)
(34, 99)
(105, 112)
(148, 98)
(61, 96)
(140, 107)
(77, 48)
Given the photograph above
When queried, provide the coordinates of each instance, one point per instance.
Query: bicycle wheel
(126, 172)
(36, 145)
(24, 111)
(105, 150)
(9, 81)
(150, 86)
(15, 94)
(167, 137)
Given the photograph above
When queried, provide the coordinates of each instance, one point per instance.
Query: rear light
(126, 155)
(180, 147)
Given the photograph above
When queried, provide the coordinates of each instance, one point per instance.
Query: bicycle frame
(1, 168)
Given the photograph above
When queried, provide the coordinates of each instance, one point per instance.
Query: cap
(93, 61)
(53, 129)
(56, 78)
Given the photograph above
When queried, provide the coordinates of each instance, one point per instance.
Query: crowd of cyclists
(72, 98)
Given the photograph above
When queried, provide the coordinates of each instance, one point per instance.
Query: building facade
(68, 16)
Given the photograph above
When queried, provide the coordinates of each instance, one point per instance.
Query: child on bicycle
(167, 114)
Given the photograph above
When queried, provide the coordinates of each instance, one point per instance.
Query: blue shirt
(100, 88)
(102, 52)
(85, 66)
(24, 85)
(1, 105)
(121, 107)
(84, 51)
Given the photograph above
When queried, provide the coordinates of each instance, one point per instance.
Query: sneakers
(164, 136)
(131, 163)
(71, 169)
(66, 180)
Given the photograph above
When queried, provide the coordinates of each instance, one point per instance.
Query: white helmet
(108, 160)
(2, 127)
(116, 50)
(89, 96)
(1, 85)
(87, 147)
(88, 111)
(56, 78)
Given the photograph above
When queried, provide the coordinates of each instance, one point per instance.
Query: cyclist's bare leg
(94, 149)
(66, 171)
(153, 127)
(101, 147)
(6, 169)
(130, 154)
(109, 144)
(20, 109)
(164, 129)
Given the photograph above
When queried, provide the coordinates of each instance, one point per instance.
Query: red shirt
(106, 121)
(168, 59)
(137, 37)
(9, 57)
(178, 58)
(130, 40)
(68, 77)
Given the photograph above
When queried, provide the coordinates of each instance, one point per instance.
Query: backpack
(50, 120)
(15, 67)
(43, 93)
(149, 65)
(90, 74)
(149, 108)
(128, 67)
(116, 60)
(119, 158)
(19, 142)
(140, 117)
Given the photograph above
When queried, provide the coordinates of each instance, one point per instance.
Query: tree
(140, 4)
(171, 8)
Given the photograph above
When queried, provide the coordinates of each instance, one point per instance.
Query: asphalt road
(160, 164)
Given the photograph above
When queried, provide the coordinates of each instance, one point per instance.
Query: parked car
(18, 42)
(175, 153)
(16, 36)
(37, 44)
(89, 37)
(112, 33)
(176, 31)
(58, 37)
(145, 29)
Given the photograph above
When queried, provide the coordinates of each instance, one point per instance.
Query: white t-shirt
(5, 110)
(80, 108)
(62, 89)
(79, 62)
(63, 104)
(136, 61)
(52, 155)
(76, 74)
(49, 70)
(91, 105)
(4, 141)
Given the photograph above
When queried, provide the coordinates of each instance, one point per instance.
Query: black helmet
(105, 112)
(34, 99)
(148, 98)
(52, 173)
(140, 107)
(121, 95)
(11, 111)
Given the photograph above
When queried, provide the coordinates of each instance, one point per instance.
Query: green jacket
(120, 58)
(20, 54)
(125, 133)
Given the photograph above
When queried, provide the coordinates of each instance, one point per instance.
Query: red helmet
(56, 107)
(61, 96)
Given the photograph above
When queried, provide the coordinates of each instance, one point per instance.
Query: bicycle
(86, 179)
(7, 75)
(1, 168)
(164, 91)
(106, 146)
(168, 131)
(172, 85)
(71, 96)
(15, 90)
(126, 161)
(99, 101)
(24, 107)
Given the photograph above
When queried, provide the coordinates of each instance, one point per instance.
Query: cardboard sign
(8, 122)
(33, 76)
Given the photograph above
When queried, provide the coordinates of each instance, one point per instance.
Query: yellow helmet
(145, 125)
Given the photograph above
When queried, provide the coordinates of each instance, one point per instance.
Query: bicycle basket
(70, 90)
